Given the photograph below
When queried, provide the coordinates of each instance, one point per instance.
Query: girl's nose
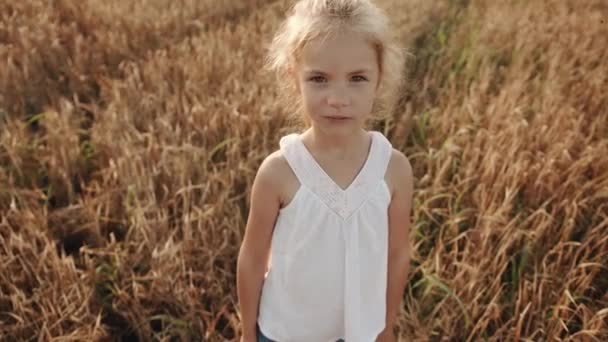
(338, 98)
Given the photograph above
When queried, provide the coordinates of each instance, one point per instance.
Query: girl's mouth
(337, 118)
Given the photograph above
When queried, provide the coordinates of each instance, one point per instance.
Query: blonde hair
(311, 19)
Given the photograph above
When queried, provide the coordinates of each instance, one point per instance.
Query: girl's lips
(338, 120)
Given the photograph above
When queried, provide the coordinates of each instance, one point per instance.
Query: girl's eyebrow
(359, 71)
(319, 72)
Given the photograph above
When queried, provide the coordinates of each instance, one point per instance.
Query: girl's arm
(399, 249)
(255, 249)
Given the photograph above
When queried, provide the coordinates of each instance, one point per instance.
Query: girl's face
(338, 77)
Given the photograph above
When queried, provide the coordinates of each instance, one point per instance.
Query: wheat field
(131, 132)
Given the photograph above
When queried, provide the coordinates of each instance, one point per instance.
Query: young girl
(326, 252)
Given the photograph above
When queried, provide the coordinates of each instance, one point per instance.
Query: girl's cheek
(316, 93)
(312, 98)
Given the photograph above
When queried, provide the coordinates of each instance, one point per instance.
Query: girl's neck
(336, 146)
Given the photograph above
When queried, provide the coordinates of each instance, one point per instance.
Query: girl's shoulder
(284, 181)
(398, 170)
(274, 166)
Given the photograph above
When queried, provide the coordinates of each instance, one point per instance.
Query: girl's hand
(387, 335)
(247, 339)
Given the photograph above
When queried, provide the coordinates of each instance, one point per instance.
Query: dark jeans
(262, 338)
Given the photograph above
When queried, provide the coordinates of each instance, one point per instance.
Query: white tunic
(328, 273)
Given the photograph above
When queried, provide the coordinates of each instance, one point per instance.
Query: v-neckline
(326, 175)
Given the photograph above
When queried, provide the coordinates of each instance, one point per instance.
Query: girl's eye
(317, 79)
(322, 79)
(359, 78)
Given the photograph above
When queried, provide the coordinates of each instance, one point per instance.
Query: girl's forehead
(340, 51)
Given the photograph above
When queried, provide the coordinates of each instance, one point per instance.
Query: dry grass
(131, 132)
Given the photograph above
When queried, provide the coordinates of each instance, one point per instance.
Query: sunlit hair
(312, 19)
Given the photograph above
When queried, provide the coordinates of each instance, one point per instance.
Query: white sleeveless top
(328, 273)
